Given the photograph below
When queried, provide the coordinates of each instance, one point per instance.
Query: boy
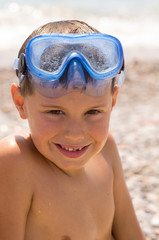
(62, 179)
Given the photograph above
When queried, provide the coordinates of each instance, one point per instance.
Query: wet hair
(68, 26)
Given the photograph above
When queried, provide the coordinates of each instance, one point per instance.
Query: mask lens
(53, 57)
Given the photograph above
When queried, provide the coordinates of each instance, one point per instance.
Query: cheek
(99, 129)
(43, 127)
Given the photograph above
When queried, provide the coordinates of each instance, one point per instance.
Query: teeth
(71, 149)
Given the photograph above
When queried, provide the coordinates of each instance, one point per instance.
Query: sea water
(134, 22)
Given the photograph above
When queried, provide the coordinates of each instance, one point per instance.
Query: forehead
(74, 100)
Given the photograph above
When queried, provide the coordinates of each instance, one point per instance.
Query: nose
(74, 132)
(75, 75)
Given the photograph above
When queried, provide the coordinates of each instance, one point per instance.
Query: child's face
(71, 129)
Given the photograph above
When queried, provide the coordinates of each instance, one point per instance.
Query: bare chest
(67, 210)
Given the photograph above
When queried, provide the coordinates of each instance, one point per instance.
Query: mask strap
(15, 65)
(121, 78)
(20, 66)
(122, 74)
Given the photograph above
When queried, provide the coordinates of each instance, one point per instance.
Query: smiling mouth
(72, 152)
(71, 149)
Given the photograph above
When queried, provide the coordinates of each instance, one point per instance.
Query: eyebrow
(63, 108)
(52, 106)
(55, 106)
(98, 106)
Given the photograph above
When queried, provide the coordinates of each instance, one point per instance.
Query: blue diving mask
(60, 63)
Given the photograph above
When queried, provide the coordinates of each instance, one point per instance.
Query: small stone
(155, 221)
(3, 128)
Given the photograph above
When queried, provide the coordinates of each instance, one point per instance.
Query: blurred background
(135, 119)
(135, 23)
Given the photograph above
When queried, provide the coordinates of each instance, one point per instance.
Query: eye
(93, 112)
(55, 112)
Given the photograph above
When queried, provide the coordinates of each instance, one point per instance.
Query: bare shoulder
(16, 164)
(110, 151)
(125, 224)
(15, 160)
(15, 149)
(16, 185)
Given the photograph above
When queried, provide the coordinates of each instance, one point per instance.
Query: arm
(125, 224)
(15, 193)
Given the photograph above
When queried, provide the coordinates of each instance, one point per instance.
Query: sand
(135, 126)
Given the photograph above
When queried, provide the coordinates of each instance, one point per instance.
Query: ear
(18, 100)
(115, 94)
